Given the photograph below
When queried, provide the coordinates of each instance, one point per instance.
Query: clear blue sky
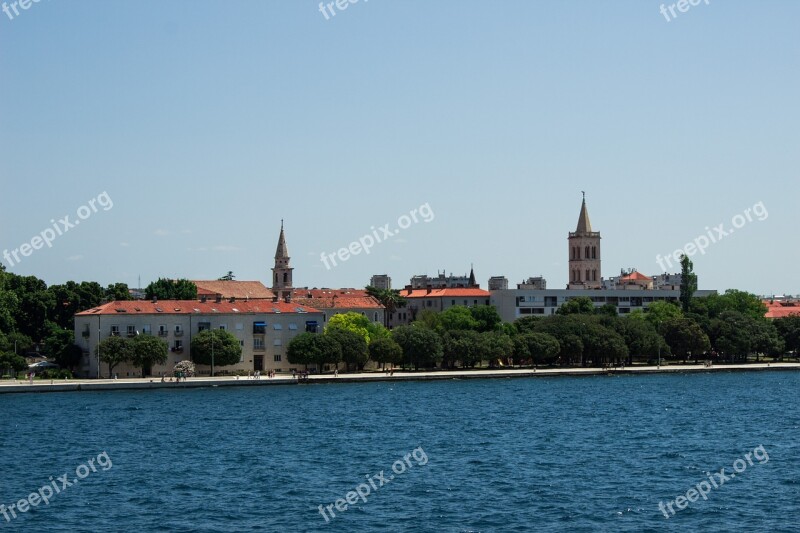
(208, 122)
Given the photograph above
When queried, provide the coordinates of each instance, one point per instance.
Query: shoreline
(79, 385)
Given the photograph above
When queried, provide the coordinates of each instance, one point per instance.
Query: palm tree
(389, 298)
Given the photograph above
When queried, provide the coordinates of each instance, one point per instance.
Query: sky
(175, 136)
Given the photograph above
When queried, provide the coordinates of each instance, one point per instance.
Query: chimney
(429, 290)
(155, 299)
(233, 299)
(203, 298)
(219, 298)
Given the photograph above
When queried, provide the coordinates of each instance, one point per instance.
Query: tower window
(285, 277)
(588, 277)
(586, 252)
(594, 252)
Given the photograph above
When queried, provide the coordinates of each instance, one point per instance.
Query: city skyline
(207, 127)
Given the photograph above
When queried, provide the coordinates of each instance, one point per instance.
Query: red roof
(445, 293)
(189, 307)
(636, 276)
(782, 309)
(232, 289)
(336, 298)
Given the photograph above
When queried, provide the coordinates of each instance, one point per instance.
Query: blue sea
(537, 454)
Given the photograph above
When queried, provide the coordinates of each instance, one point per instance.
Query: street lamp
(212, 353)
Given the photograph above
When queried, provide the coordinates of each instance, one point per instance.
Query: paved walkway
(11, 386)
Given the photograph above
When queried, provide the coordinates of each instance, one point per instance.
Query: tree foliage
(224, 347)
(169, 289)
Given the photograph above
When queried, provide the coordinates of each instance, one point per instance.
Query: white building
(263, 328)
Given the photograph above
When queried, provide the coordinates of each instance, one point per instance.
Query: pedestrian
(336, 373)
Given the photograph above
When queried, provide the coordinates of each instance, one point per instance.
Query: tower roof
(584, 225)
(282, 252)
(472, 276)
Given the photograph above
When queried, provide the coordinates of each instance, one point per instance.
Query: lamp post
(212, 353)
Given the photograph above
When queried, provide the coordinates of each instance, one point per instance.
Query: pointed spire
(471, 276)
(282, 252)
(584, 225)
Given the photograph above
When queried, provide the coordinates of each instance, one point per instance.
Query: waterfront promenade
(74, 385)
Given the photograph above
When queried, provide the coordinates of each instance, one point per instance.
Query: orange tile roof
(445, 293)
(782, 309)
(636, 276)
(189, 307)
(233, 289)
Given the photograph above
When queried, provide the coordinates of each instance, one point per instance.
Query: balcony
(115, 333)
(86, 334)
(179, 333)
(162, 333)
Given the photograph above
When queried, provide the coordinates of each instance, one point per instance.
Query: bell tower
(584, 254)
(282, 272)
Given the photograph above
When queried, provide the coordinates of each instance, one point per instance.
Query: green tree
(457, 318)
(353, 346)
(685, 337)
(59, 346)
(495, 346)
(660, 312)
(118, 292)
(688, 282)
(542, 348)
(352, 321)
(385, 350)
(12, 363)
(641, 337)
(581, 305)
(463, 346)
(220, 344)
(789, 329)
(327, 351)
(168, 289)
(607, 310)
(114, 350)
(487, 317)
(301, 349)
(149, 351)
(421, 346)
(734, 300)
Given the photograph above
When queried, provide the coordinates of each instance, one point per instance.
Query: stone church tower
(584, 254)
(282, 272)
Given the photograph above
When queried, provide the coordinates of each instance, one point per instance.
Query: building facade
(263, 328)
(584, 254)
(514, 304)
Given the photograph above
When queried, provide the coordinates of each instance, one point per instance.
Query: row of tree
(728, 327)
(209, 347)
(37, 318)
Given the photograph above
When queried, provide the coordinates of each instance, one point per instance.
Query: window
(452, 302)
(258, 343)
(162, 331)
(178, 331)
(586, 252)
(285, 277)
(115, 331)
(476, 302)
(430, 303)
(146, 330)
(131, 331)
(277, 342)
(239, 326)
(293, 327)
(277, 358)
(594, 252)
(588, 278)
(277, 326)
(375, 317)
(202, 326)
(259, 328)
(223, 327)
(177, 347)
